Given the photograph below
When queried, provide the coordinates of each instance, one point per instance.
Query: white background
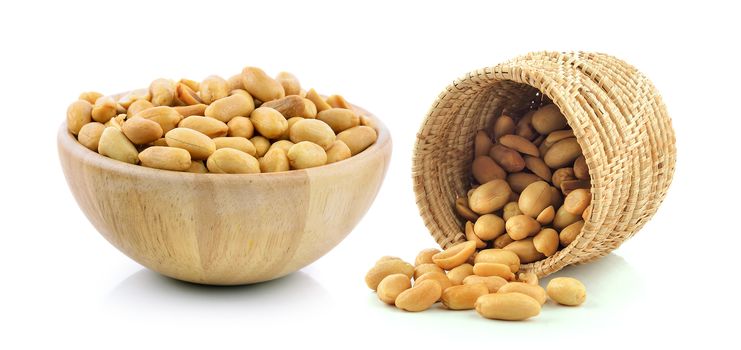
(63, 285)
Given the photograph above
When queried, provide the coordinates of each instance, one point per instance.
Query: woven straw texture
(617, 116)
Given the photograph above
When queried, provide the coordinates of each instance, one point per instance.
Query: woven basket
(618, 119)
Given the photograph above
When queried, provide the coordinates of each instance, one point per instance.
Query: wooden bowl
(223, 229)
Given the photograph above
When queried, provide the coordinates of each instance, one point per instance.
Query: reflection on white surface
(148, 291)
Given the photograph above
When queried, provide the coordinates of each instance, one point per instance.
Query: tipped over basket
(617, 117)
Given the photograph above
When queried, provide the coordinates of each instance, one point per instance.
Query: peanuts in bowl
(267, 124)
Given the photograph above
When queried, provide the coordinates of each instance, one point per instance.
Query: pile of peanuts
(489, 281)
(531, 186)
(249, 123)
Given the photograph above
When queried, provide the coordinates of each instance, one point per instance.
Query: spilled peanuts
(249, 123)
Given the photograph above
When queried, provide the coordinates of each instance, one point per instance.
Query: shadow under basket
(616, 114)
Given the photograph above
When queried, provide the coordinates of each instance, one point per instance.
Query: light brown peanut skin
(114, 144)
(89, 135)
(385, 268)
(507, 306)
(166, 158)
(463, 297)
(314, 131)
(567, 291)
(534, 291)
(420, 297)
(358, 138)
(79, 113)
(455, 255)
(306, 154)
(425, 256)
(493, 283)
(197, 144)
(500, 256)
(274, 160)
(141, 131)
(338, 151)
(232, 161)
(391, 286)
(440, 277)
(260, 85)
(459, 273)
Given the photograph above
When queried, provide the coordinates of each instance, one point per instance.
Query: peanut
(507, 158)
(534, 291)
(489, 227)
(262, 145)
(306, 154)
(313, 130)
(167, 158)
(337, 101)
(385, 268)
(436, 276)
(269, 122)
(165, 116)
(459, 273)
(338, 151)
(213, 88)
(232, 161)
(293, 106)
(567, 291)
(463, 297)
(569, 233)
(104, 109)
(274, 160)
(525, 250)
(114, 144)
(226, 108)
(289, 82)
(260, 85)
(507, 306)
(546, 241)
(358, 138)
(519, 144)
(493, 269)
(238, 143)
(534, 198)
(492, 283)
(499, 256)
(420, 297)
(391, 286)
(548, 119)
(577, 201)
(455, 255)
(89, 135)
(79, 113)
(504, 125)
(141, 131)
(581, 171)
(163, 92)
(210, 127)
(422, 269)
(562, 153)
(485, 169)
(522, 226)
(339, 119)
(425, 256)
(318, 101)
(240, 127)
(481, 145)
(546, 216)
(490, 197)
(197, 144)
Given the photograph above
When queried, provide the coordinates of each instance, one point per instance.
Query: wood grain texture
(223, 229)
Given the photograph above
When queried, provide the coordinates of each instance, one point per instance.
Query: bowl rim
(68, 141)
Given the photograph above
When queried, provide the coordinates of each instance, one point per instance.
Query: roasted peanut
(138, 106)
(463, 297)
(339, 119)
(269, 122)
(481, 144)
(90, 96)
(262, 145)
(489, 227)
(210, 127)
(563, 153)
(455, 255)
(502, 241)
(213, 88)
(187, 111)
(274, 160)
(509, 159)
(459, 273)
(577, 201)
(318, 101)
(420, 297)
(337, 101)
(79, 113)
(567, 291)
(385, 268)
(581, 171)
(546, 216)
(167, 158)
(522, 226)
(461, 206)
(490, 197)
(282, 144)
(163, 92)
(534, 291)
(493, 269)
(260, 85)
(525, 250)
(425, 256)
(89, 135)
(391, 286)
(528, 277)
(289, 82)
(114, 144)
(534, 198)
(436, 276)
(232, 161)
(485, 169)
(569, 233)
(538, 167)
(238, 143)
(165, 116)
(358, 138)
(197, 166)
(293, 106)
(546, 241)
(511, 209)
(548, 119)
(187, 96)
(492, 283)
(563, 218)
(518, 182)
(104, 109)
(422, 269)
(313, 130)
(561, 175)
(504, 125)
(519, 144)
(507, 306)
(306, 154)
(240, 127)
(499, 256)
(338, 151)
(142, 131)
(472, 237)
(197, 144)
(226, 108)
